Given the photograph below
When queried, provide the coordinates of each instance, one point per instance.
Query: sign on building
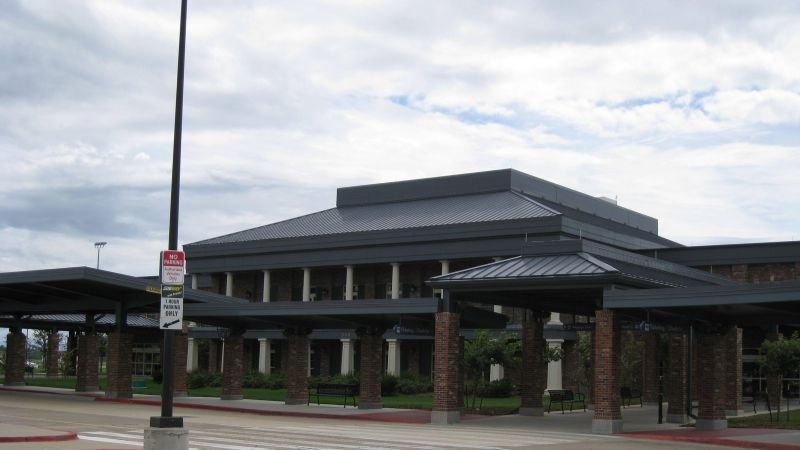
(171, 317)
(173, 263)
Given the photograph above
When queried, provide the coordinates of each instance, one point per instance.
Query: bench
(627, 394)
(334, 390)
(563, 396)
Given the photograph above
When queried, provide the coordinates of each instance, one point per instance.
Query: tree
(780, 358)
(481, 353)
(40, 344)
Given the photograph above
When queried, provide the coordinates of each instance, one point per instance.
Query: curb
(373, 417)
(68, 436)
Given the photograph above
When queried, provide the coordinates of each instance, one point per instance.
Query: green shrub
(389, 385)
(497, 389)
(197, 379)
(413, 384)
(275, 381)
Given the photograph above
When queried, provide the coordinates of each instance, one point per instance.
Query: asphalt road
(102, 425)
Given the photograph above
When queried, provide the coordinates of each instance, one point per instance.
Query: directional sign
(173, 263)
(171, 317)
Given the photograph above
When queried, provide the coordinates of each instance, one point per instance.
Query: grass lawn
(762, 421)
(491, 406)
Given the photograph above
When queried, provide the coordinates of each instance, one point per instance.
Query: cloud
(688, 114)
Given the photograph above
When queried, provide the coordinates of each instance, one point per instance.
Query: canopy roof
(86, 290)
(748, 304)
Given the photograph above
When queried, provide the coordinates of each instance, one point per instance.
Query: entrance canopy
(568, 276)
(747, 305)
(62, 298)
(580, 277)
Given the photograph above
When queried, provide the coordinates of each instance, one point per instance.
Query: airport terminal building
(396, 275)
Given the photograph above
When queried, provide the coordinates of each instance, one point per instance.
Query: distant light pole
(98, 246)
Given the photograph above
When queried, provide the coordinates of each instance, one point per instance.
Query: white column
(309, 357)
(554, 367)
(348, 357)
(229, 284)
(445, 271)
(306, 284)
(496, 372)
(348, 283)
(265, 296)
(264, 355)
(194, 281)
(191, 355)
(393, 366)
(395, 280)
(554, 374)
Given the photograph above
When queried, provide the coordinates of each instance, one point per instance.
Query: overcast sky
(686, 111)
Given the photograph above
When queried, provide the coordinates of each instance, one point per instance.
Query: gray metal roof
(431, 212)
(84, 289)
(104, 320)
(764, 304)
(581, 259)
(534, 266)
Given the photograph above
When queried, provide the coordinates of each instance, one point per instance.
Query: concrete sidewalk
(639, 422)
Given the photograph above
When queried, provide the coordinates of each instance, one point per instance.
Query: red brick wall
(88, 359)
(231, 367)
(447, 363)
(180, 347)
(757, 273)
(676, 383)
(53, 340)
(733, 371)
(534, 369)
(711, 397)
(296, 367)
(119, 365)
(15, 359)
(606, 366)
(370, 370)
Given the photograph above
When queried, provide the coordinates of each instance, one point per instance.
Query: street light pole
(166, 420)
(98, 246)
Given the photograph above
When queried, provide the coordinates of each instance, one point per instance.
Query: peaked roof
(429, 212)
(573, 260)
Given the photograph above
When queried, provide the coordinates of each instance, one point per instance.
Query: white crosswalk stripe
(357, 437)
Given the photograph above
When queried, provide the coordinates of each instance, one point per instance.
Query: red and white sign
(173, 263)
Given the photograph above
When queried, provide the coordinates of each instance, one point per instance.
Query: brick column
(72, 354)
(53, 341)
(180, 351)
(650, 369)
(232, 367)
(213, 356)
(88, 358)
(711, 397)
(15, 359)
(607, 415)
(296, 366)
(120, 346)
(371, 367)
(447, 368)
(733, 372)
(677, 382)
(534, 374)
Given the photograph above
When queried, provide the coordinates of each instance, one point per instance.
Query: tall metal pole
(166, 420)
